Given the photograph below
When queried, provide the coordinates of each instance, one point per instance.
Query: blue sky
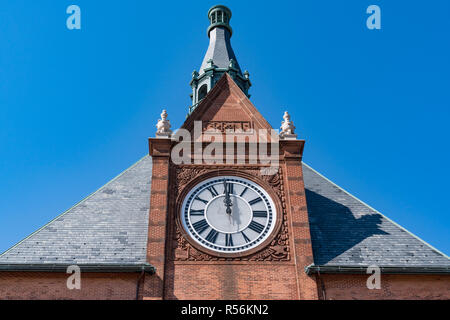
(77, 107)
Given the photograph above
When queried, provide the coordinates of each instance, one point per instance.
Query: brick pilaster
(157, 226)
(299, 222)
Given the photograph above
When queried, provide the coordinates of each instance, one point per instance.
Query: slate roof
(219, 50)
(347, 232)
(110, 227)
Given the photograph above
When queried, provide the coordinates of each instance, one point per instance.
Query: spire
(219, 57)
(219, 33)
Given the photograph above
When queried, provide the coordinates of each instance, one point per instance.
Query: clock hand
(227, 199)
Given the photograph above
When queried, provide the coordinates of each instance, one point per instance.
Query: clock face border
(276, 201)
(262, 235)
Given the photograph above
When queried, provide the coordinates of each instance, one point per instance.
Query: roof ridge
(370, 207)
(74, 206)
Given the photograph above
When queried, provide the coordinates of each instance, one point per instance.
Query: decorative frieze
(228, 126)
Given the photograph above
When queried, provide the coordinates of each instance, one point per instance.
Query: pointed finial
(287, 128)
(163, 126)
(194, 74)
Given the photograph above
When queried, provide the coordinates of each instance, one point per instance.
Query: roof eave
(334, 269)
(91, 268)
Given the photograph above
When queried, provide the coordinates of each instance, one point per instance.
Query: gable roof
(226, 95)
(110, 227)
(346, 232)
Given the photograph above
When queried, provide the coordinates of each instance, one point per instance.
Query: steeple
(219, 58)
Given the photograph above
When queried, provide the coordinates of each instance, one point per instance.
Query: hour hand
(227, 199)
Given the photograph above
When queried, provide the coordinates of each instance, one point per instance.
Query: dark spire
(219, 33)
(219, 57)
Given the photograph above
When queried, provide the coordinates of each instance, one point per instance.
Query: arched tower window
(202, 92)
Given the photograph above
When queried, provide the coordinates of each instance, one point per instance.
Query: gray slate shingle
(220, 50)
(110, 227)
(347, 232)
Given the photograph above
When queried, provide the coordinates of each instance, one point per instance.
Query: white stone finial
(163, 126)
(287, 128)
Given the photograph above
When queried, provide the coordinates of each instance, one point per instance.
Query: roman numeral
(229, 188)
(200, 199)
(197, 212)
(229, 240)
(260, 214)
(254, 201)
(213, 191)
(201, 226)
(255, 226)
(212, 236)
(243, 192)
(247, 240)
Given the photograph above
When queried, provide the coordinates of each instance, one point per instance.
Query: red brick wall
(346, 287)
(235, 279)
(300, 228)
(232, 281)
(225, 281)
(52, 286)
(153, 287)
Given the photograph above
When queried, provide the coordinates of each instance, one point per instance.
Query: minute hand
(227, 199)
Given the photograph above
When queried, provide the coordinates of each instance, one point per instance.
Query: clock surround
(278, 237)
(236, 226)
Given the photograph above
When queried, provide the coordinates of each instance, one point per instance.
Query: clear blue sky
(77, 107)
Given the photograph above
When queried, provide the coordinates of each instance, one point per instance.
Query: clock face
(228, 214)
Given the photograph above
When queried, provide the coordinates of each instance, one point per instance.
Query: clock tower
(222, 209)
(228, 216)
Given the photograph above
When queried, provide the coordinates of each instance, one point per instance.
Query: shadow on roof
(335, 230)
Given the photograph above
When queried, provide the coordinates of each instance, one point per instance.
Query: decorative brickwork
(52, 286)
(269, 271)
(228, 126)
(393, 286)
(278, 248)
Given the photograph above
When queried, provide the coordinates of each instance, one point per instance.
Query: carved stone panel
(278, 249)
(228, 126)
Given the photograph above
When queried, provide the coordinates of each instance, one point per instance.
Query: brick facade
(153, 287)
(274, 270)
(300, 227)
(229, 283)
(53, 286)
(393, 287)
(204, 276)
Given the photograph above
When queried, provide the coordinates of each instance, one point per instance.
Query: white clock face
(228, 214)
